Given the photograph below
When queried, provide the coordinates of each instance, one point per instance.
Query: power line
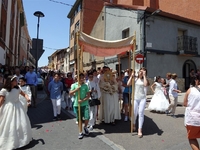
(43, 46)
(58, 2)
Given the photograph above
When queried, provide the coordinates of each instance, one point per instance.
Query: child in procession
(55, 88)
(81, 87)
(26, 89)
(94, 98)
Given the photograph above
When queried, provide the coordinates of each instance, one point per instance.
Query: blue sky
(54, 27)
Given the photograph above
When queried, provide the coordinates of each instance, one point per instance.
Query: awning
(104, 48)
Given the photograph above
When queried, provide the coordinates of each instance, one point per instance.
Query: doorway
(187, 66)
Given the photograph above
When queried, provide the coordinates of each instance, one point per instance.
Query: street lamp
(144, 17)
(37, 14)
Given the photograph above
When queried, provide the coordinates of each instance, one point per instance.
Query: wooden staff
(129, 94)
(78, 77)
(133, 82)
(119, 75)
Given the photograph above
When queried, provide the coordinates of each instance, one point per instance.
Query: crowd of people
(103, 95)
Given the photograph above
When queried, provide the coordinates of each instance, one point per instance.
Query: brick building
(83, 16)
(14, 35)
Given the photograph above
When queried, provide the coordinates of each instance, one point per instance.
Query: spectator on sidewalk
(84, 106)
(192, 75)
(55, 88)
(64, 88)
(192, 113)
(15, 127)
(126, 94)
(32, 81)
(6, 71)
(2, 81)
(1, 68)
(68, 82)
(17, 74)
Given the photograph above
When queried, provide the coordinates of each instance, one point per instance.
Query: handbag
(93, 102)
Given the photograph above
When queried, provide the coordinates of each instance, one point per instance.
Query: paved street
(161, 132)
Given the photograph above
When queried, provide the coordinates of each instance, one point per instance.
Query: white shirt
(95, 86)
(192, 111)
(139, 90)
(173, 86)
(95, 79)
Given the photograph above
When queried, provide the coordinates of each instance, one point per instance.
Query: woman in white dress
(15, 128)
(158, 102)
(26, 89)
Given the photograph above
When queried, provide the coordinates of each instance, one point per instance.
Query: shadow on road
(32, 144)
(43, 113)
(149, 127)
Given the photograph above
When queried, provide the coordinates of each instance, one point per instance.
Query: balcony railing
(187, 45)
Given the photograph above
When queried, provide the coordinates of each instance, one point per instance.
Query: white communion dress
(15, 128)
(22, 99)
(158, 102)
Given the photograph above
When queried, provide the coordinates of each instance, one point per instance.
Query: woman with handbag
(94, 99)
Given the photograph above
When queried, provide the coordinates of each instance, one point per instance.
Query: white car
(40, 84)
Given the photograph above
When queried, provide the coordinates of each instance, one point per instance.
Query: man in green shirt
(83, 101)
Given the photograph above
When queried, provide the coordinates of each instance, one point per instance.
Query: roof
(73, 9)
(150, 10)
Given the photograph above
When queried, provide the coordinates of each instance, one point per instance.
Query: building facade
(170, 45)
(83, 16)
(66, 60)
(59, 60)
(14, 36)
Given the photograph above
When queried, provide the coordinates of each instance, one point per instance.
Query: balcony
(62, 60)
(187, 45)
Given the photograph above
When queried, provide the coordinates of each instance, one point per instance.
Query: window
(79, 7)
(77, 26)
(125, 33)
(72, 35)
(72, 20)
(5, 4)
(1, 31)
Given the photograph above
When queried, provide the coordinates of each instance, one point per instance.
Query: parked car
(40, 84)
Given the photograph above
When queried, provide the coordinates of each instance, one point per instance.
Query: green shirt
(83, 92)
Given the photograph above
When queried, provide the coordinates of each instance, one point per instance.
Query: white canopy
(104, 48)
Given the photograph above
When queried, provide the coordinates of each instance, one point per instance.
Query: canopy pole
(133, 82)
(78, 72)
(129, 94)
(119, 75)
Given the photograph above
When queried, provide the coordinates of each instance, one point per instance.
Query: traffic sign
(36, 46)
(40, 52)
(139, 58)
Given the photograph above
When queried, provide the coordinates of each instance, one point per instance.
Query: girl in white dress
(15, 128)
(158, 102)
(26, 89)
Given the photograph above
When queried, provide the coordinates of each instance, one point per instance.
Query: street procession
(99, 74)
